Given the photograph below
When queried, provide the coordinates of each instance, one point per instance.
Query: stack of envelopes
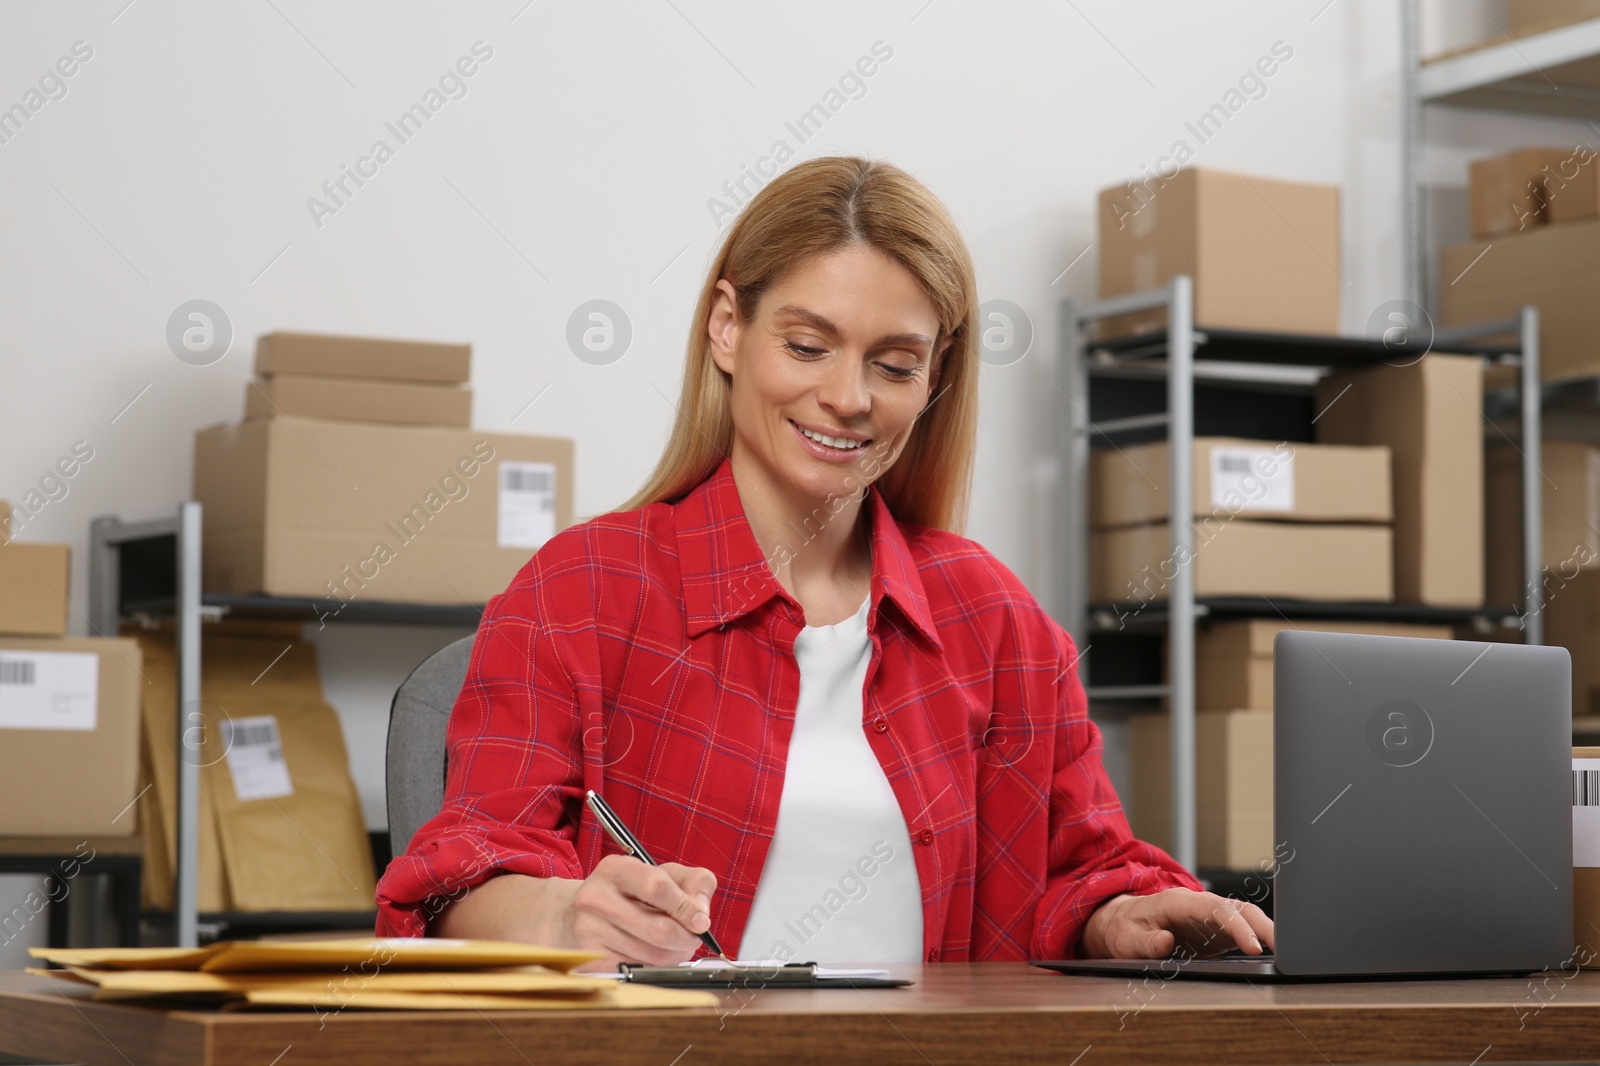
(364, 973)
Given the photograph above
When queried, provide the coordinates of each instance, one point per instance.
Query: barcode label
(49, 690)
(253, 733)
(16, 672)
(255, 758)
(527, 504)
(527, 477)
(1252, 479)
(1586, 812)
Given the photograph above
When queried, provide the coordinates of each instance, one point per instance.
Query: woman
(857, 734)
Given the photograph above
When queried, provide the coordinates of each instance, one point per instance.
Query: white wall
(579, 165)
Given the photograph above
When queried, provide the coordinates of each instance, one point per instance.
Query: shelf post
(1072, 380)
(1180, 600)
(104, 577)
(1529, 394)
(191, 738)
(1413, 270)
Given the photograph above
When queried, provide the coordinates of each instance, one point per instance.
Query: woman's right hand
(626, 909)
(635, 912)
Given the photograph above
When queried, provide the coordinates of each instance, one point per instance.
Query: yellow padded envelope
(145, 984)
(362, 955)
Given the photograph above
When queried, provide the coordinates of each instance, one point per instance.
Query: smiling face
(829, 374)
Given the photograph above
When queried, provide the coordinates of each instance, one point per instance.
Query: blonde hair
(817, 207)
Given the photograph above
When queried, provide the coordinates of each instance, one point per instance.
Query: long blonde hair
(816, 207)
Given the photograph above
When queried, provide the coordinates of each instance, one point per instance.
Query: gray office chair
(416, 754)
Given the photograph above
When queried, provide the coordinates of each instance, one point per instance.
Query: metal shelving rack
(1555, 73)
(1182, 355)
(152, 568)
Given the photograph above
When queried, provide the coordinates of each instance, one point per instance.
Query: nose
(843, 389)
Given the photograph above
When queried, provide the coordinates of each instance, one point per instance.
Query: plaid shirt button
(880, 724)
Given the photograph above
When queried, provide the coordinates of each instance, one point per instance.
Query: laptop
(1422, 813)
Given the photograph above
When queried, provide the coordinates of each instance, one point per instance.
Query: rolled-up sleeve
(515, 765)
(1093, 854)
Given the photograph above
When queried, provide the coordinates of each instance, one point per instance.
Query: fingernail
(1256, 941)
(702, 920)
(704, 900)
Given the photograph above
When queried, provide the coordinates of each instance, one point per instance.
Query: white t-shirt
(840, 883)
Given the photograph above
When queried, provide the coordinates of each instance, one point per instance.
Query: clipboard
(789, 975)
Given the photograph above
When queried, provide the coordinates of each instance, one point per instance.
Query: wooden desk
(988, 1013)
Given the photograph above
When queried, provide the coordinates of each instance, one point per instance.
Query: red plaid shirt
(649, 655)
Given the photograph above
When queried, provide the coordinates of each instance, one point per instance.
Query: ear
(722, 325)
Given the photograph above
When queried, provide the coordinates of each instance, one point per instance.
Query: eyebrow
(892, 340)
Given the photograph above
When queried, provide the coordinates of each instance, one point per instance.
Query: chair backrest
(415, 760)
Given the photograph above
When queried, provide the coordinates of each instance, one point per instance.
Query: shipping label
(1586, 812)
(527, 504)
(1252, 479)
(49, 690)
(255, 758)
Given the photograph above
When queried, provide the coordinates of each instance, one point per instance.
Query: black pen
(630, 843)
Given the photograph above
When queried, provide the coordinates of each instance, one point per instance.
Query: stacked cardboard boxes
(1536, 229)
(361, 379)
(1264, 254)
(1233, 742)
(1270, 519)
(339, 510)
(69, 707)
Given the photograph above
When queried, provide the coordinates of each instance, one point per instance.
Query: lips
(825, 451)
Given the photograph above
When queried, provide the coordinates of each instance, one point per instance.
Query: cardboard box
(69, 736)
(35, 581)
(1242, 557)
(1585, 879)
(1572, 187)
(1535, 16)
(1429, 415)
(1506, 193)
(1556, 268)
(322, 355)
(1233, 659)
(1258, 479)
(1572, 621)
(340, 511)
(1571, 485)
(1233, 786)
(280, 824)
(1264, 254)
(359, 400)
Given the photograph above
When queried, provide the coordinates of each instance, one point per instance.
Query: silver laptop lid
(1423, 801)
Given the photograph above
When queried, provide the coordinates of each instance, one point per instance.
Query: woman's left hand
(1156, 925)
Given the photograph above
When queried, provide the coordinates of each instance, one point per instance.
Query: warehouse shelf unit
(1554, 73)
(152, 569)
(1182, 356)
